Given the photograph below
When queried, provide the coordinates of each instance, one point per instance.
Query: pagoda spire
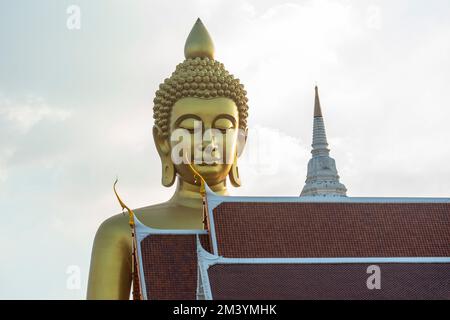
(322, 177)
(317, 108)
(320, 143)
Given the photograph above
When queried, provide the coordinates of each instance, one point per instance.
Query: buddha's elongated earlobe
(168, 168)
(234, 174)
(168, 172)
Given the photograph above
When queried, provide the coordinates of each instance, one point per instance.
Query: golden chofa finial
(199, 42)
(123, 205)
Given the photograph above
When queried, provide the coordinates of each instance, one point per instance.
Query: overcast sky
(76, 110)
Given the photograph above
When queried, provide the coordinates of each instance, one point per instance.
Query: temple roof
(308, 229)
(167, 262)
(298, 281)
(300, 248)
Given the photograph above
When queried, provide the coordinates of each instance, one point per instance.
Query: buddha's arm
(110, 271)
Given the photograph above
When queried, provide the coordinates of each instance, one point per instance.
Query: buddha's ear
(234, 171)
(161, 142)
(241, 140)
(163, 147)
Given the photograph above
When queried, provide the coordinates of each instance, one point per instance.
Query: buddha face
(204, 131)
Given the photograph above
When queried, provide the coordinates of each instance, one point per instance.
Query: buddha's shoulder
(114, 228)
(118, 224)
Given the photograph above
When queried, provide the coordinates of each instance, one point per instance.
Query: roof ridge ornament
(197, 175)
(137, 295)
(203, 191)
(123, 205)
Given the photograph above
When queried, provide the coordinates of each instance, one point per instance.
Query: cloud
(269, 157)
(26, 114)
(18, 119)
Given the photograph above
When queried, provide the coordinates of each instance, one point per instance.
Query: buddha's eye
(223, 124)
(189, 124)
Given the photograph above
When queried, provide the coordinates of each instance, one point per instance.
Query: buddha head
(200, 115)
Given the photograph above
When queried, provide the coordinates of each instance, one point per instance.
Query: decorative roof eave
(205, 260)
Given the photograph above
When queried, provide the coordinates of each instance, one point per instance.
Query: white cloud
(271, 156)
(374, 17)
(26, 114)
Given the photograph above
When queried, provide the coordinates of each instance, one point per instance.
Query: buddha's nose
(210, 147)
(209, 139)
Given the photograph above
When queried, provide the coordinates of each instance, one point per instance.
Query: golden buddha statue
(201, 91)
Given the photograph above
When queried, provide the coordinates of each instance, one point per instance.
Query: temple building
(322, 177)
(299, 248)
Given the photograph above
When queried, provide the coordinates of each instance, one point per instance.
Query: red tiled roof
(170, 265)
(258, 229)
(328, 281)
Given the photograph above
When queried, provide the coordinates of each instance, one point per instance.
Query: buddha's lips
(207, 161)
(204, 164)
